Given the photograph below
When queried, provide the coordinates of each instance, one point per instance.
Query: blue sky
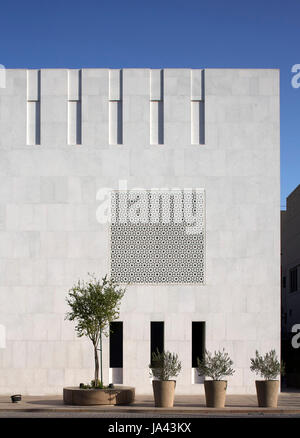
(165, 33)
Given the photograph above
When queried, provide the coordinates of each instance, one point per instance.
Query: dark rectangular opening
(160, 122)
(284, 282)
(116, 345)
(157, 337)
(198, 341)
(78, 122)
(293, 280)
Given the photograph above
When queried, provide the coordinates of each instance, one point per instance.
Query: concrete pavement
(288, 404)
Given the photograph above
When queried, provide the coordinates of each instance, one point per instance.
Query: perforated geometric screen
(157, 236)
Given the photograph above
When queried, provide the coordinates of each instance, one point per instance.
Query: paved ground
(59, 415)
(185, 406)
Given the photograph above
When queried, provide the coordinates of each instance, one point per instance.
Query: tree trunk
(96, 365)
(101, 364)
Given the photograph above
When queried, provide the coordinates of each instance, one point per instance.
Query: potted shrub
(216, 366)
(164, 365)
(269, 368)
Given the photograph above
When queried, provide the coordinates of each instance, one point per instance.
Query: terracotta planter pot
(215, 393)
(267, 393)
(164, 391)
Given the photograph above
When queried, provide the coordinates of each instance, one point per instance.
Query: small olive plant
(98, 385)
(164, 365)
(267, 366)
(216, 365)
(94, 304)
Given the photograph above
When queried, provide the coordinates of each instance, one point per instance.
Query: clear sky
(165, 33)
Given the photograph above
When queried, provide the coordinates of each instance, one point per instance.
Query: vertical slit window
(115, 107)
(157, 337)
(198, 342)
(197, 107)
(116, 345)
(156, 122)
(197, 121)
(284, 282)
(74, 122)
(74, 107)
(115, 122)
(33, 108)
(294, 279)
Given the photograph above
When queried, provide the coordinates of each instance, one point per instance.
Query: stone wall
(50, 237)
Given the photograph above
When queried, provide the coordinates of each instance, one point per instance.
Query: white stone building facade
(65, 135)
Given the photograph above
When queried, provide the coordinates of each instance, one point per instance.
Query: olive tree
(94, 304)
(268, 365)
(164, 365)
(215, 365)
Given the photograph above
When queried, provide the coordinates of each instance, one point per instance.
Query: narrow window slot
(156, 122)
(116, 345)
(115, 122)
(157, 337)
(116, 352)
(197, 107)
(74, 107)
(197, 122)
(74, 122)
(115, 107)
(33, 123)
(156, 107)
(33, 135)
(198, 348)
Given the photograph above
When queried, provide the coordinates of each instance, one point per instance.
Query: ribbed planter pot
(267, 393)
(215, 393)
(163, 391)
